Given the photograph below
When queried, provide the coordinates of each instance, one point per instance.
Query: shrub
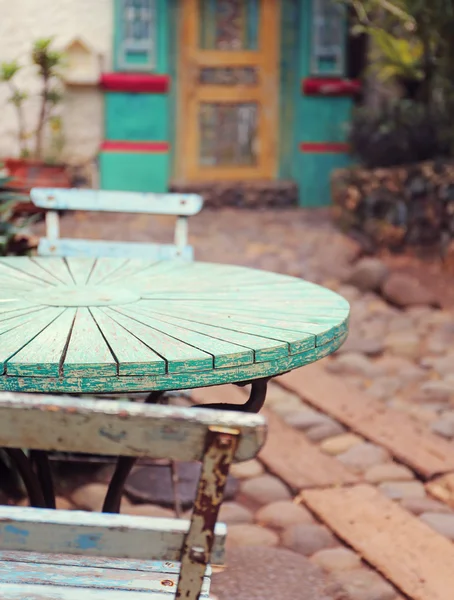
(399, 133)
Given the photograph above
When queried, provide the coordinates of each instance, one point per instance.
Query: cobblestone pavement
(402, 357)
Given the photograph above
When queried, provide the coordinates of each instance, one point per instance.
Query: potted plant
(36, 166)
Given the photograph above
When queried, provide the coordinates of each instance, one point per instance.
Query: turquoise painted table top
(112, 325)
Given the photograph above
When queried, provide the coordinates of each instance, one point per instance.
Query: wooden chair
(59, 199)
(75, 555)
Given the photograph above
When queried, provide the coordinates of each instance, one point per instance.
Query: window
(328, 38)
(137, 35)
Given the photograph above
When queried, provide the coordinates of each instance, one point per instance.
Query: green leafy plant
(48, 63)
(415, 39)
(399, 133)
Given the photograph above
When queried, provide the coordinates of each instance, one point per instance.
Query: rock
(265, 489)
(91, 497)
(384, 388)
(418, 506)
(392, 365)
(149, 510)
(443, 427)
(337, 559)
(396, 490)
(247, 469)
(321, 432)
(352, 363)
(284, 404)
(152, 484)
(436, 391)
(305, 418)
(257, 573)
(277, 395)
(340, 443)
(363, 584)
(368, 274)
(361, 345)
(363, 456)
(402, 343)
(443, 366)
(281, 514)
(388, 472)
(232, 512)
(405, 290)
(411, 374)
(349, 292)
(443, 523)
(400, 322)
(250, 535)
(62, 504)
(307, 539)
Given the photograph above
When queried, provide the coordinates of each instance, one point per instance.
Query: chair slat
(117, 201)
(47, 592)
(120, 428)
(88, 576)
(78, 248)
(94, 534)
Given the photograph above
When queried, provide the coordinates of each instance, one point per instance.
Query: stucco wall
(22, 22)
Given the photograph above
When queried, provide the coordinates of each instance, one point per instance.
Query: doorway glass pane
(228, 134)
(229, 24)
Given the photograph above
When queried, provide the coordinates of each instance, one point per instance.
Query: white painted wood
(181, 233)
(46, 592)
(120, 428)
(95, 534)
(147, 566)
(105, 576)
(52, 225)
(104, 249)
(116, 201)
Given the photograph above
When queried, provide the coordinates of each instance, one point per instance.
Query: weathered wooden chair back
(44, 423)
(181, 206)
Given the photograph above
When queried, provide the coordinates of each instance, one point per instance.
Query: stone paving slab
(409, 441)
(415, 558)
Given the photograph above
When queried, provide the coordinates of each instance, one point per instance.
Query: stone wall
(247, 194)
(397, 207)
(24, 21)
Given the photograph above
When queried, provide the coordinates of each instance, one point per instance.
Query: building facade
(193, 91)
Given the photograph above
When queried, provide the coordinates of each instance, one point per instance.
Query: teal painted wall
(137, 117)
(140, 117)
(317, 119)
(289, 83)
(315, 169)
(134, 171)
(174, 48)
(162, 36)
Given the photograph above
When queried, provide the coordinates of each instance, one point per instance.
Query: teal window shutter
(136, 48)
(328, 38)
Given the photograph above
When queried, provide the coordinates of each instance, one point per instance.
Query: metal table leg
(124, 466)
(125, 463)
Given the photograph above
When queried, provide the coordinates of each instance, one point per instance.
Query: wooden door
(228, 89)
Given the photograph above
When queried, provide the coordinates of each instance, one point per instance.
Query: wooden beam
(286, 453)
(412, 556)
(408, 441)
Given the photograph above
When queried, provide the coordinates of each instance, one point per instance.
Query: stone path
(400, 356)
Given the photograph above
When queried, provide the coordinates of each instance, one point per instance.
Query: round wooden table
(115, 325)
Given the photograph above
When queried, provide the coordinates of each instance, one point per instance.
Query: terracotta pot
(27, 174)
